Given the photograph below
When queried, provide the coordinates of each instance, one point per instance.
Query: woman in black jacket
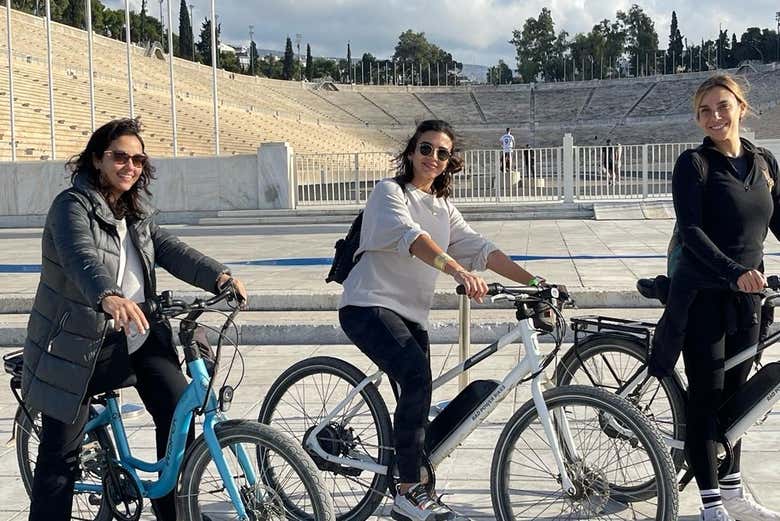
(86, 333)
(726, 198)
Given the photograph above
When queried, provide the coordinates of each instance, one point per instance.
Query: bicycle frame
(530, 364)
(169, 466)
(740, 428)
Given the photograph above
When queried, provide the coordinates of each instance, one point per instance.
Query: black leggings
(160, 383)
(400, 348)
(707, 346)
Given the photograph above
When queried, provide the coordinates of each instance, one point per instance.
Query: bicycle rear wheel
(296, 492)
(604, 465)
(87, 506)
(303, 396)
(609, 362)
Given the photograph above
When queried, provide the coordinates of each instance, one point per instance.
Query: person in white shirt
(410, 232)
(507, 144)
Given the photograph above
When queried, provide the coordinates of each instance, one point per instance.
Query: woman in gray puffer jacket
(86, 333)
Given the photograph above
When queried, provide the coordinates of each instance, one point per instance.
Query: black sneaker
(418, 505)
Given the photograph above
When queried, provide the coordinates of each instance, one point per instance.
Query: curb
(585, 298)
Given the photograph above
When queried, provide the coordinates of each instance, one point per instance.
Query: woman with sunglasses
(86, 333)
(410, 232)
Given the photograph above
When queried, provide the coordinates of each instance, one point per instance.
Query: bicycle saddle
(655, 288)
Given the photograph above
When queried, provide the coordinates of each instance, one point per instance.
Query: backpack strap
(704, 163)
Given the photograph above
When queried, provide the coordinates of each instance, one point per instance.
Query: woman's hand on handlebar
(125, 312)
(752, 281)
(475, 286)
(237, 285)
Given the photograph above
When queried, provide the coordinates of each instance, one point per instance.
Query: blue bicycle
(236, 469)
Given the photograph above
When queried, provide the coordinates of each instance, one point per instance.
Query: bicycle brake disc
(123, 494)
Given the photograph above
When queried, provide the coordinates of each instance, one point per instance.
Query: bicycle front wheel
(608, 447)
(609, 362)
(303, 396)
(252, 452)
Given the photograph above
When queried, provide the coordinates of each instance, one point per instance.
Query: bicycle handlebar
(543, 292)
(165, 306)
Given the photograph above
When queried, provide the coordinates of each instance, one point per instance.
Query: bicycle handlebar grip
(493, 289)
(150, 308)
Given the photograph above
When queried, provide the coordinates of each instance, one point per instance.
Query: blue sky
(475, 31)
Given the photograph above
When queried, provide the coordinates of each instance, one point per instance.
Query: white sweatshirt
(388, 275)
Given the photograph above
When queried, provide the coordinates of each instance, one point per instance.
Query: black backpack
(344, 258)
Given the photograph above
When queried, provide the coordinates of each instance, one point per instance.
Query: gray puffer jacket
(79, 268)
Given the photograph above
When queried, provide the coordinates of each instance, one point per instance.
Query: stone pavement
(620, 248)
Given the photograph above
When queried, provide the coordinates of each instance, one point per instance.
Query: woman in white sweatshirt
(410, 232)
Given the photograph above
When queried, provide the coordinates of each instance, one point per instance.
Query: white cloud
(477, 31)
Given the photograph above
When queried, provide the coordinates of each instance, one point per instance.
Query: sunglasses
(442, 154)
(122, 158)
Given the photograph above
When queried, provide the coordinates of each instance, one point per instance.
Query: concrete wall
(185, 189)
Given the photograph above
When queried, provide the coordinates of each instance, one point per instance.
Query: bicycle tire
(268, 503)
(622, 357)
(596, 491)
(315, 371)
(24, 435)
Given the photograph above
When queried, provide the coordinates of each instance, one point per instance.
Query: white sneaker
(418, 505)
(745, 508)
(718, 513)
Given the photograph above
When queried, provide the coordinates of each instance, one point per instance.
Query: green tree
(349, 63)
(203, 45)
(270, 67)
(534, 46)
(185, 32)
(417, 52)
(229, 61)
(73, 13)
(500, 74)
(674, 50)
(289, 60)
(253, 58)
(142, 25)
(309, 69)
(641, 38)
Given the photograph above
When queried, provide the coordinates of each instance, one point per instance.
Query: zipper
(56, 333)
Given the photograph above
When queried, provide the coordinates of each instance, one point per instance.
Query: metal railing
(339, 179)
(625, 171)
(529, 174)
(622, 172)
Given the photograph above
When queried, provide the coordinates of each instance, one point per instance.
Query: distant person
(608, 160)
(507, 144)
(529, 159)
(617, 157)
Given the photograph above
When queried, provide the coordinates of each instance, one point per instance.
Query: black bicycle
(611, 353)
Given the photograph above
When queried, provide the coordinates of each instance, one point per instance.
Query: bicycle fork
(212, 442)
(552, 438)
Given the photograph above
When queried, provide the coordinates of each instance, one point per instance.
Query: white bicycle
(570, 452)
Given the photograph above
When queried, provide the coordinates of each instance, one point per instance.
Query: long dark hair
(442, 185)
(129, 203)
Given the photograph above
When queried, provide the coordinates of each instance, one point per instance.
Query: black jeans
(160, 383)
(400, 348)
(708, 343)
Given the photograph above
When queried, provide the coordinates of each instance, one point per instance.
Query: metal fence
(625, 171)
(339, 179)
(538, 174)
(521, 175)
